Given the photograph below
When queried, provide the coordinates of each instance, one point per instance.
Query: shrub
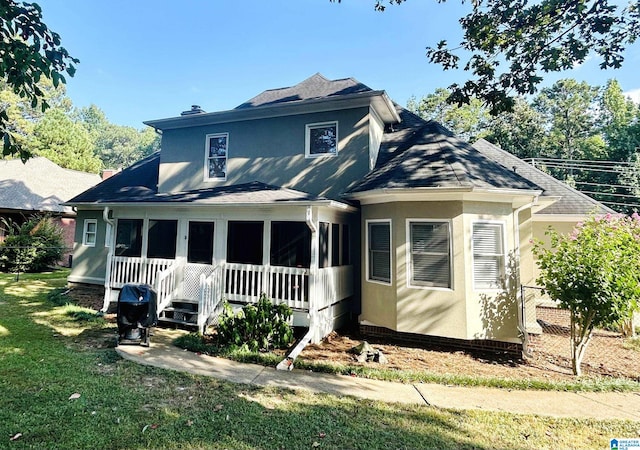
(59, 297)
(33, 246)
(258, 327)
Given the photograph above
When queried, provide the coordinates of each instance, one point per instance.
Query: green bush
(257, 327)
(33, 246)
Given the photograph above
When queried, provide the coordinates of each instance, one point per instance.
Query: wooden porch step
(179, 323)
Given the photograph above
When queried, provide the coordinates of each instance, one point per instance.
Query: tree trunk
(580, 336)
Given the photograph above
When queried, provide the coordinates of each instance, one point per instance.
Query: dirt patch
(336, 348)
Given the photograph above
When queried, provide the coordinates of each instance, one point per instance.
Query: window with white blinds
(430, 254)
(488, 255)
(379, 251)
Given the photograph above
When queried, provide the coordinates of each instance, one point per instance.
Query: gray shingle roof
(40, 185)
(424, 154)
(139, 183)
(571, 201)
(316, 86)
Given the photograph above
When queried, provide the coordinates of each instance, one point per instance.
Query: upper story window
(321, 139)
(488, 255)
(217, 146)
(89, 232)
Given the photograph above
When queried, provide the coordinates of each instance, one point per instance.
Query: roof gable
(314, 87)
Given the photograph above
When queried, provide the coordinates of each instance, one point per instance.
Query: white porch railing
(245, 283)
(165, 285)
(126, 269)
(211, 296)
(333, 284)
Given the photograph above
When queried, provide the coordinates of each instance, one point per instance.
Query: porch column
(312, 223)
(110, 230)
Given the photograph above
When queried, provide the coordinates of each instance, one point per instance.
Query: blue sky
(150, 59)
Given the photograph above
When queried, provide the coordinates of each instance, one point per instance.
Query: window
(488, 255)
(244, 242)
(429, 254)
(379, 251)
(89, 232)
(216, 156)
(321, 139)
(290, 244)
(129, 237)
(161, 242)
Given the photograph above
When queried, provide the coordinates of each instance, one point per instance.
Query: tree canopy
(511, 43)
(29, 52)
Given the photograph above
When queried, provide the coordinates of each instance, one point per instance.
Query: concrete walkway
(611, 405)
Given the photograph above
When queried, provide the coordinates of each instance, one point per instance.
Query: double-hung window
(429, 254)
(90, 232)
(217, 146)
(379, 251)
(321, 139)
(488, 255)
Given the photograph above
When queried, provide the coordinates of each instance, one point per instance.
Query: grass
(632, 344)
(197, 343)
(64, 386)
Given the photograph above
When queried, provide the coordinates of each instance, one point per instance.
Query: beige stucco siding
(461, 312)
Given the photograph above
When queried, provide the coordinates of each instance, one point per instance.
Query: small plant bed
(414, 365)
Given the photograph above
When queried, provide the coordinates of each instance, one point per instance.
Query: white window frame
(503, 266)
(207, 158)
(391, 251)
(307, 140)
(410, 282)
(86, 233)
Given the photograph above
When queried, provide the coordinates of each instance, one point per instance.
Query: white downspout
(287, 363)
(107, 275)
(519, 297)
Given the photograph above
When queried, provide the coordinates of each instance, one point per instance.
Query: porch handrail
(165, 285)
(333, 284)
(138, 270)
(211, 295)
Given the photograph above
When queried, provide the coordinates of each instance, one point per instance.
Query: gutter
(287, 363)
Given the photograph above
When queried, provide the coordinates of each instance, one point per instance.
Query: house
(41, 186)
(327, 196)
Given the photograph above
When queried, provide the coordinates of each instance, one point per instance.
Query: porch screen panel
(162, 239)
(290, 244)
(430, 254)
(200, 245)
(488, 255)
(323, 238)
(244, 242)
(379, 251)
(129, 238)
(335, 244)
(346, 245)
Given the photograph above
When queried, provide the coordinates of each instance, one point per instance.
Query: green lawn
(50, 353)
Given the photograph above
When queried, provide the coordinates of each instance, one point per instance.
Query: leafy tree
(65, 142)
(521, 131)
(34, 246)
(29, 52)
(465, 121)
(511, 43)
(620, 121)
(594, 272)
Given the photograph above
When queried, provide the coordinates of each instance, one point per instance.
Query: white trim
(516, 197)
(558, 217)
(307, 139)
(409, 271)
(503, 226)
(86, 232)
(391, 251)
(207, 158)
(108, 236)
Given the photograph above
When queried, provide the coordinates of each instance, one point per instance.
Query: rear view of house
(324, 195)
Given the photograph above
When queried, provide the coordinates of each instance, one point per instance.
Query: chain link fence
(548, 341)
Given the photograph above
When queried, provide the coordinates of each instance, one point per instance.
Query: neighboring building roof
(139, 184)
(571, 201)
(40, 185)
(314, 87)
(424, 154)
